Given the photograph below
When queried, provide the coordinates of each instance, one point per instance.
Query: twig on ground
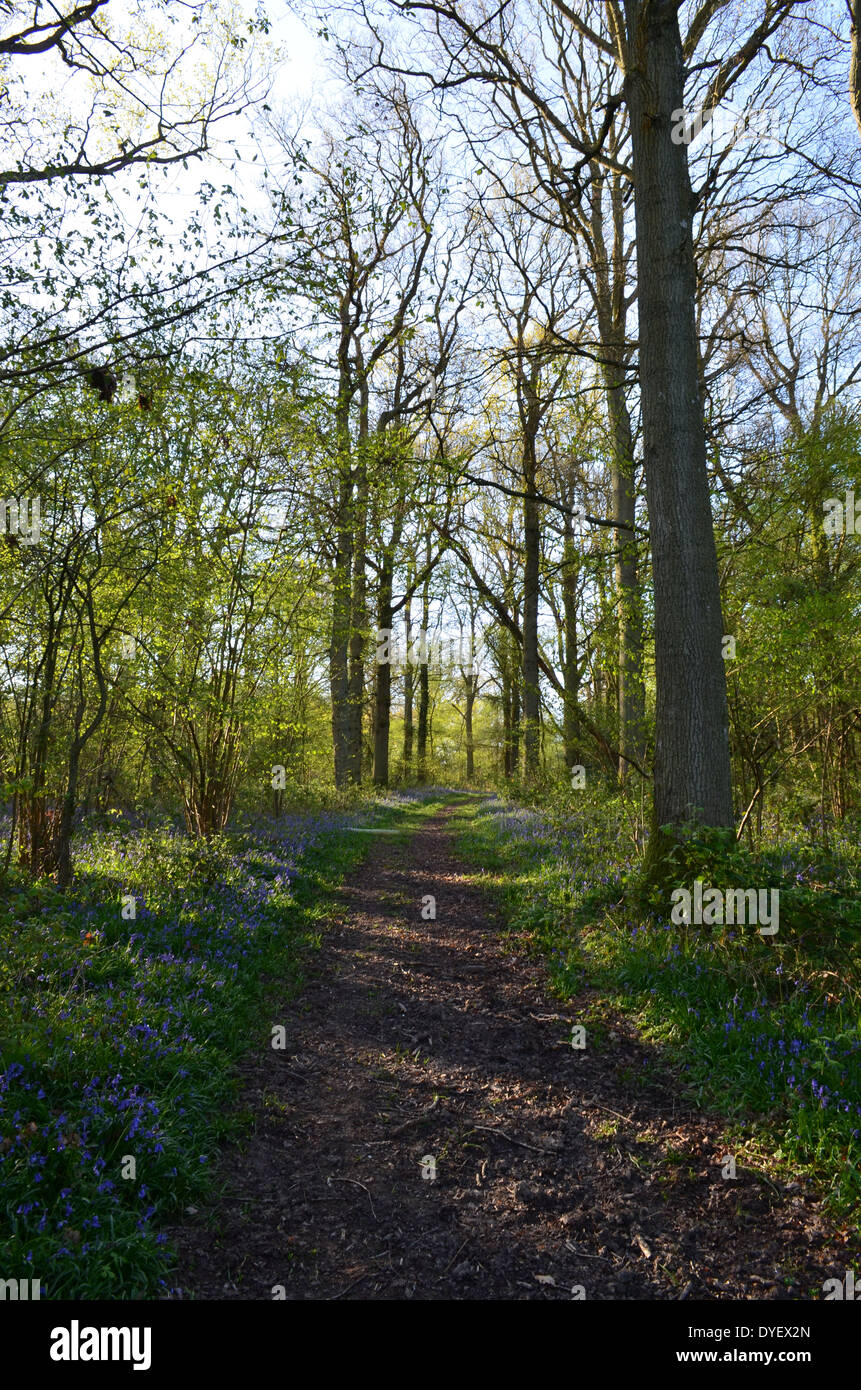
(598, 1106)
(356, 1183)
(489, 1130)
(335, 1296)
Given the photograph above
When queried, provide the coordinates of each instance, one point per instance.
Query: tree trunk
(692, 763)
(471, 683)
(79, 742)
(855, 61)
(570, 670)
(36, 818)
(610, 292)
(339, 646)
(424, 691)
(531, 575)
(631, 688)
(358, 624)
(383, 681)
(408, 691)
(424, 702)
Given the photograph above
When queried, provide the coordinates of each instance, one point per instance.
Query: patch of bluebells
(796, 1056)
(412, 796)
(122, 1034)
(790, 1052)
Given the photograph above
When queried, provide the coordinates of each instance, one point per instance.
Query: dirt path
(555, 1167)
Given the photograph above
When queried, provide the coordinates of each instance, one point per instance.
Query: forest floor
(560, 1172)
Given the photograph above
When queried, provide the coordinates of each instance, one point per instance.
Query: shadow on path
(556, 1169)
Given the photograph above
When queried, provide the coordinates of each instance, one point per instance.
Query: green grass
(765, 1030)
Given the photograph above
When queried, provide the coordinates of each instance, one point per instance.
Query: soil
(430, 1132)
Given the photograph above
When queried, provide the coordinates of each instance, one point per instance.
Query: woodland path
(555, 1167)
